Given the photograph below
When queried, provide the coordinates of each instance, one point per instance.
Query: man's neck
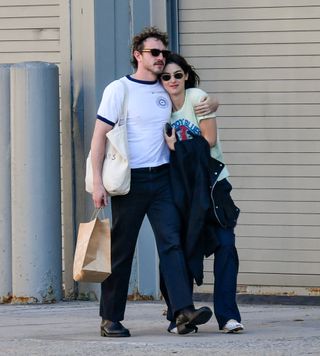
(144, 75)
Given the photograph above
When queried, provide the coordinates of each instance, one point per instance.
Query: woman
(180, 81)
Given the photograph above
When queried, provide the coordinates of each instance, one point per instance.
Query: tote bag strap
(123, 119)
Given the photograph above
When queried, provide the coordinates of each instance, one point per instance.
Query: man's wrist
(97, 182)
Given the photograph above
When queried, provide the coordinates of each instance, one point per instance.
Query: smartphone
(168, 129)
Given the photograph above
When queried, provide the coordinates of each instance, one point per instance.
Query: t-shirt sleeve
(111, 105)
(197, 95)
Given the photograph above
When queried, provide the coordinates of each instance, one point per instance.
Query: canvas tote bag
(116, 174)
(92, 259)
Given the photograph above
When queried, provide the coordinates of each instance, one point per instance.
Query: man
(149, 108)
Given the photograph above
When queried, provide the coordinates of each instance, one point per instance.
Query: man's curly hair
(138, 41)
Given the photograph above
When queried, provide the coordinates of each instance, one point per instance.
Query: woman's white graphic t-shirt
(186, 124)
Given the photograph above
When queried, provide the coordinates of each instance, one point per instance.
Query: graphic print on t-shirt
(185, 129)
(162, 102)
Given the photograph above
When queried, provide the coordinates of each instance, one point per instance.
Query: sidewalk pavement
(72, 328)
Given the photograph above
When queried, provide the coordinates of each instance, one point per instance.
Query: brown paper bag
(92, 259)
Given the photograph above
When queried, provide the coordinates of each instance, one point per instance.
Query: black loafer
(113, 329)
(188, 318)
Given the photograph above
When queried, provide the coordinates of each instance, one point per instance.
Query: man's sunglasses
(155, 52)
(167, 77)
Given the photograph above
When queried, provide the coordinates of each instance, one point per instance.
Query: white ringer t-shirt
(149, 108)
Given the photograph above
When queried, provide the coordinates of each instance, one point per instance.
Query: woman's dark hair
(193, 78)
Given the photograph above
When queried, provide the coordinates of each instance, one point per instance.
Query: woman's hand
(206, 106)
(171, 140)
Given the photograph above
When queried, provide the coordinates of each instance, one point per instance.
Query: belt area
(151, 169)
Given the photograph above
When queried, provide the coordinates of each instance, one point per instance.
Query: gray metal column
(35, 183)
(5, 199)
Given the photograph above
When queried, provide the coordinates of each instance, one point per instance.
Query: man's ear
(137, 55)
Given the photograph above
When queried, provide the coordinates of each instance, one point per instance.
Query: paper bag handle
(96, 213)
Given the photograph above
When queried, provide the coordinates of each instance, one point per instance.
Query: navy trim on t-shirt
(141, 81)
(105, 120)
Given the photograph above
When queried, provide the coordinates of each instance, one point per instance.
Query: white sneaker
(189, 328)
(232, 326)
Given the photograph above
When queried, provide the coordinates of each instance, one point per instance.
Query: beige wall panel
(38, 22)
(279, 279)
(280, 207)
(262, 13)
(207, 4)
(284, 244)
(256, 62)
(240, 193)
(312, 122)
(278, 183)
(274, 98)
(261, 59)
(298, 234)
(281, 49)
(245, 182)
(205, 288)
(283, 255)
(265, 279)
(240, 86)
(30, 46)
(272, 158)
(260, 73)
(272, 255)
(278, 219)
(238, 111)
(280, 267)
(245, 38)
(270, 134)
(29, 11)
(53, 57)
(269, 25)
(29, 35)
(271, 146)
(28, 2)
(269, 109)
(273, 171)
